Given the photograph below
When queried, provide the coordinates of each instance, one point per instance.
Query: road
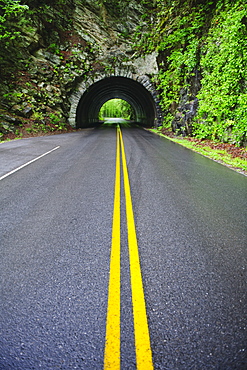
(56, 239)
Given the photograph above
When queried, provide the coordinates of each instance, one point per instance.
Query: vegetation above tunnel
(202, 57)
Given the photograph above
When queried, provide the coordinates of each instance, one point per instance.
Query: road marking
(26, 164)
(142, 339)
(141, 330)
(112, 345)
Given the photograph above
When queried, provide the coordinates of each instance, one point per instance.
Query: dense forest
(201, 51)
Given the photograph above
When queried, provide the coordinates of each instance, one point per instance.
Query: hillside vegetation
(201, 48)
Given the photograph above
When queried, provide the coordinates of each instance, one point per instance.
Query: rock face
(186, 111)
(185, 108)
(64, 60)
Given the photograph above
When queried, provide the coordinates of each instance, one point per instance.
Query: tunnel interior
(87, 114)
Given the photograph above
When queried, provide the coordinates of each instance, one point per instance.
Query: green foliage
(178, 39)
(10, 12)
(116, 108)
(13, 19)
(55, 17)
(46, 124)
(54, 49)
(206, 40)
(223, 106)
(56, 122)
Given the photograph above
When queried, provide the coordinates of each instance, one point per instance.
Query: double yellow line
(113, 324)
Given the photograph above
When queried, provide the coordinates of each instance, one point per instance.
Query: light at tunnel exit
(116, 108)
(133, 93)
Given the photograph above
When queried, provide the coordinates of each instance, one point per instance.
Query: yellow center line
(112, 344)
(142, 338)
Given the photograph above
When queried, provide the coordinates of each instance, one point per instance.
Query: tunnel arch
(139, 94)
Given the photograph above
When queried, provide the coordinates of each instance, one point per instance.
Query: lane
(16, 153)
(28, 163)
(191, 220)
(56, 235)
(55, 243)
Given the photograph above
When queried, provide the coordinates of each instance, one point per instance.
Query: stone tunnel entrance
(132, 91)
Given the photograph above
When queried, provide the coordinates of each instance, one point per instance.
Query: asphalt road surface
(56, 220)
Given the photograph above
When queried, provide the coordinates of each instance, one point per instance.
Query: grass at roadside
(223, 156)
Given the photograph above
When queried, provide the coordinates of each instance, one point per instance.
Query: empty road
(63, 206)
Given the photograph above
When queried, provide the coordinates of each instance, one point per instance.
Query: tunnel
(123, 88)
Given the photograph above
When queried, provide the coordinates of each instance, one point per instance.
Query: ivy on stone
(202, 55)
(223, 96)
